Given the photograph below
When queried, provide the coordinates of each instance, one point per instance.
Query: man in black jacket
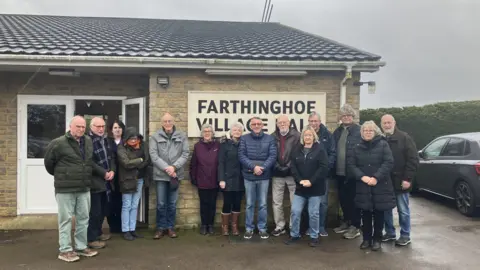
(405, 158)
(347, 136)
(287, 140)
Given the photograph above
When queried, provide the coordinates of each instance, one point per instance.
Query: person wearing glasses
(257, 154)
(370, 166)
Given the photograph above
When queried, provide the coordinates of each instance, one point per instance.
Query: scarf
(102, 155)
(134, 144)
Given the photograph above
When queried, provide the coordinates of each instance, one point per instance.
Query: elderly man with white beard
(287, 140)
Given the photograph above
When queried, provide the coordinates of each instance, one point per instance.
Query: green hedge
(430, 121)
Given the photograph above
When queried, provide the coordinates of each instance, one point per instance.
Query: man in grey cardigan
(169, 152)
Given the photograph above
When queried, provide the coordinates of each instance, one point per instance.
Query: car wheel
(464, 198)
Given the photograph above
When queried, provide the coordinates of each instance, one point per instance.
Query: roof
(132, 37)
(472, 136)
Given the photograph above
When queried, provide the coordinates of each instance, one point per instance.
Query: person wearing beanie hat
(347, 136)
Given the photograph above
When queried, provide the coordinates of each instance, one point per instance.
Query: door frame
(22, 101)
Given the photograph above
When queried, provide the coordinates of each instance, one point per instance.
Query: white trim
(247, 72)
(184, 63)
(63, 97)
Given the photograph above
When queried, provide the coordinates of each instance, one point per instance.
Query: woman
(309, 167)
(371, 164)
(203, 174)
(230, 178)
(116, 129)
(133, 159)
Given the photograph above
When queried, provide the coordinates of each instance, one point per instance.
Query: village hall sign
(222, 109)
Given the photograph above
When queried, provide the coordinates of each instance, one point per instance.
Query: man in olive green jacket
(69, 159)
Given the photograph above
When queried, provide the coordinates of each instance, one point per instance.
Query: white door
(40, 120)
(133, 115)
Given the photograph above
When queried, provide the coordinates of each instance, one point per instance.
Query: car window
(455, 147)
(435, 148)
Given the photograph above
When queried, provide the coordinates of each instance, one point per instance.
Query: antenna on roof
(267, 11)
(269, 15)
(264, 9)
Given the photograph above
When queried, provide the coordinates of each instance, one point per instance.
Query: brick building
(52, 68)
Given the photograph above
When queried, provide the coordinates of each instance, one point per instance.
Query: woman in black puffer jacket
(371, 165)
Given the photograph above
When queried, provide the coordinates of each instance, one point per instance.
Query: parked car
(450, 167)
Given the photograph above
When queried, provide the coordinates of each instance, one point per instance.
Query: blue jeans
(130, 208)
(323, 209)
(256, 191)
(403, 214)
(166, 205)
(313, 214)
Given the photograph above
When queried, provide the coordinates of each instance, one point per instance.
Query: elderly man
(347, 136)
(169, 153)
(104, 161)
(287, 139)
(325, 137)
(72, 153)
(405, 159)
(257, 153)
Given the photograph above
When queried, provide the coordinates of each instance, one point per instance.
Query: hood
(132, 132)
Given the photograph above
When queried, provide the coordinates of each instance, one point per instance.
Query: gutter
(183, 63)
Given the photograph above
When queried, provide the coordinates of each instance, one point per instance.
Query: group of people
(98, 175)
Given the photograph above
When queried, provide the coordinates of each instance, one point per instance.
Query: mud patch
(466, 229)
(12, 237)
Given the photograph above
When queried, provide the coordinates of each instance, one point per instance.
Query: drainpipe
(343, 84)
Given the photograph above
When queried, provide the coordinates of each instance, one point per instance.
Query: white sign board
(222, 109)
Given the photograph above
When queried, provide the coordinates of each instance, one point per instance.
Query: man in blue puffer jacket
(257, 154)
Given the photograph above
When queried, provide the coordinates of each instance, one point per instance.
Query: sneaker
(104, 237)
(365, 244)
(376, 246)
(388, 237)
(87, 253)
(342, 228)
(292, 240)
(313, 242)
(352, 233)
(69, 256)
(278, 232)
(323, 234)
(96, 244)
(128, 236)
(264, 235)
(248, 235)
(403, 241)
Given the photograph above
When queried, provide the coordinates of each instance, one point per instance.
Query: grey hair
(314, 113)
(237, 125)
(372, 124)
(347, 109)
(205, 126)
(309, 128)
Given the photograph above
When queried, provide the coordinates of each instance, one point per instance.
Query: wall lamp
(371, 86)
(163, 81)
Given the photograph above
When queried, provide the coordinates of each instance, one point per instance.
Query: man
(257, 153)
(69, 159)
(287, 140)
(405, 158)
(104, 161)
(346, 137)
(169, 153)
(325, 138)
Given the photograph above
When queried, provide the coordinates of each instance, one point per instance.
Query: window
(434, 149)
(455, 147)
(45, 123)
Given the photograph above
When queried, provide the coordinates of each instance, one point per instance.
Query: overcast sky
(432, 47)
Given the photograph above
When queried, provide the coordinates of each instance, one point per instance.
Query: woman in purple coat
(203, 174)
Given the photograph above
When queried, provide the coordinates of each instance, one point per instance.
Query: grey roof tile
(60, 35)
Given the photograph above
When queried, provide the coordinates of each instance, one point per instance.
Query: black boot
(377, 245)
(203, 230)
(136, 235)
(211, 231)
(365, 244)
(128, 236)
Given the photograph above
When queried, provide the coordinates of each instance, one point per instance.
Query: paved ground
(442, 239)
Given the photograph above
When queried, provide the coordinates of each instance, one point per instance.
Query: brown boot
(235, 216)
(225, 221)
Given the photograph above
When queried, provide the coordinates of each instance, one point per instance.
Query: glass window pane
(132, 117)
(45, 123)
(455, 147)
(434, 149)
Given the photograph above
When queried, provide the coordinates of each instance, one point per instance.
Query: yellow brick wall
(13, 83)
(174, 100)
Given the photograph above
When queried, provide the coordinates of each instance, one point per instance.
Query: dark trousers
(232, 201)
(97, 215)
(208, 205)
(114, 217)
(378, 220)
(346, 195)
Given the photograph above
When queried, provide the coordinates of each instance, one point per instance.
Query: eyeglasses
(99, 126)
(256, 124)
(368, 131)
